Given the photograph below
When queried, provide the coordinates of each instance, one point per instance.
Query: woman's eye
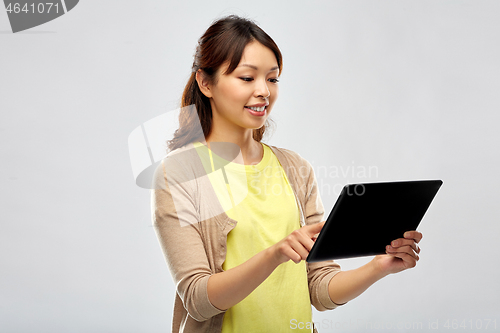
(248, 79)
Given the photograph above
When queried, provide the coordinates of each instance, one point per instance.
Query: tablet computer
(368, 217)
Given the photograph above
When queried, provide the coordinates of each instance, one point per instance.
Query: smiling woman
(221, 52)
(243, 268)
(242, 100)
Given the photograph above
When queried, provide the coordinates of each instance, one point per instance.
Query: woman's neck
(251, 150)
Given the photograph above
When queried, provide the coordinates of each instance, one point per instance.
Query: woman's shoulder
(183, 163)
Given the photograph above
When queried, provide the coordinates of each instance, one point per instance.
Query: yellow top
(261, 200)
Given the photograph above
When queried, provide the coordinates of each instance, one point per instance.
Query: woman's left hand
(402, 254)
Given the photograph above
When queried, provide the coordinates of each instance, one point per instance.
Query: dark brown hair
(224, 40)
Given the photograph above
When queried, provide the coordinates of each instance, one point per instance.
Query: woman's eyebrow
(255, 67)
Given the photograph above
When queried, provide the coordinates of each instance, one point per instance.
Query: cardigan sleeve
(175, 219)
(319, 273)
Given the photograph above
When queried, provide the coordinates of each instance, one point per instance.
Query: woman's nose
(262, 90)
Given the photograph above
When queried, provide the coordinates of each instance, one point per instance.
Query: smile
(258, 111)
(255, 108)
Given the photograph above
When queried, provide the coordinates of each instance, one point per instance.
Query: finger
(314, 228)
(317, 227)
(402, 250)
(307, 242)
(415, 235)
(403, 242)
(291, 254)
(302, 244)
(301, 251)
(409, 260)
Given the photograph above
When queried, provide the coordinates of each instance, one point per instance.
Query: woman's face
(254, 83)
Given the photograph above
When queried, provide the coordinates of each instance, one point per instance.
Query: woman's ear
(203, 83)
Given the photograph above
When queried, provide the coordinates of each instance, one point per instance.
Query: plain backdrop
(398, 89)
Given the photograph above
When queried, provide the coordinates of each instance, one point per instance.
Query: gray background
(409, 88)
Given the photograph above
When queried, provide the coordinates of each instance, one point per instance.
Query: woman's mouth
(256, 110)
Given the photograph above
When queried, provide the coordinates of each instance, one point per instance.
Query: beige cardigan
(195, 250)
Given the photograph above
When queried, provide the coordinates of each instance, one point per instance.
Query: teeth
(259, 109)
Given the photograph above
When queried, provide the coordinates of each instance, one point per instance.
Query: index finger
(315, 228)
(415, 235)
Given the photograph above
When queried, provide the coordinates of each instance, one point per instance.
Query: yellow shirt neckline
(237, 167)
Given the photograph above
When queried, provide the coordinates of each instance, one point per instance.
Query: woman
(240, 267)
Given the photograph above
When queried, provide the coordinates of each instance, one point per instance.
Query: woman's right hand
(297, 245)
